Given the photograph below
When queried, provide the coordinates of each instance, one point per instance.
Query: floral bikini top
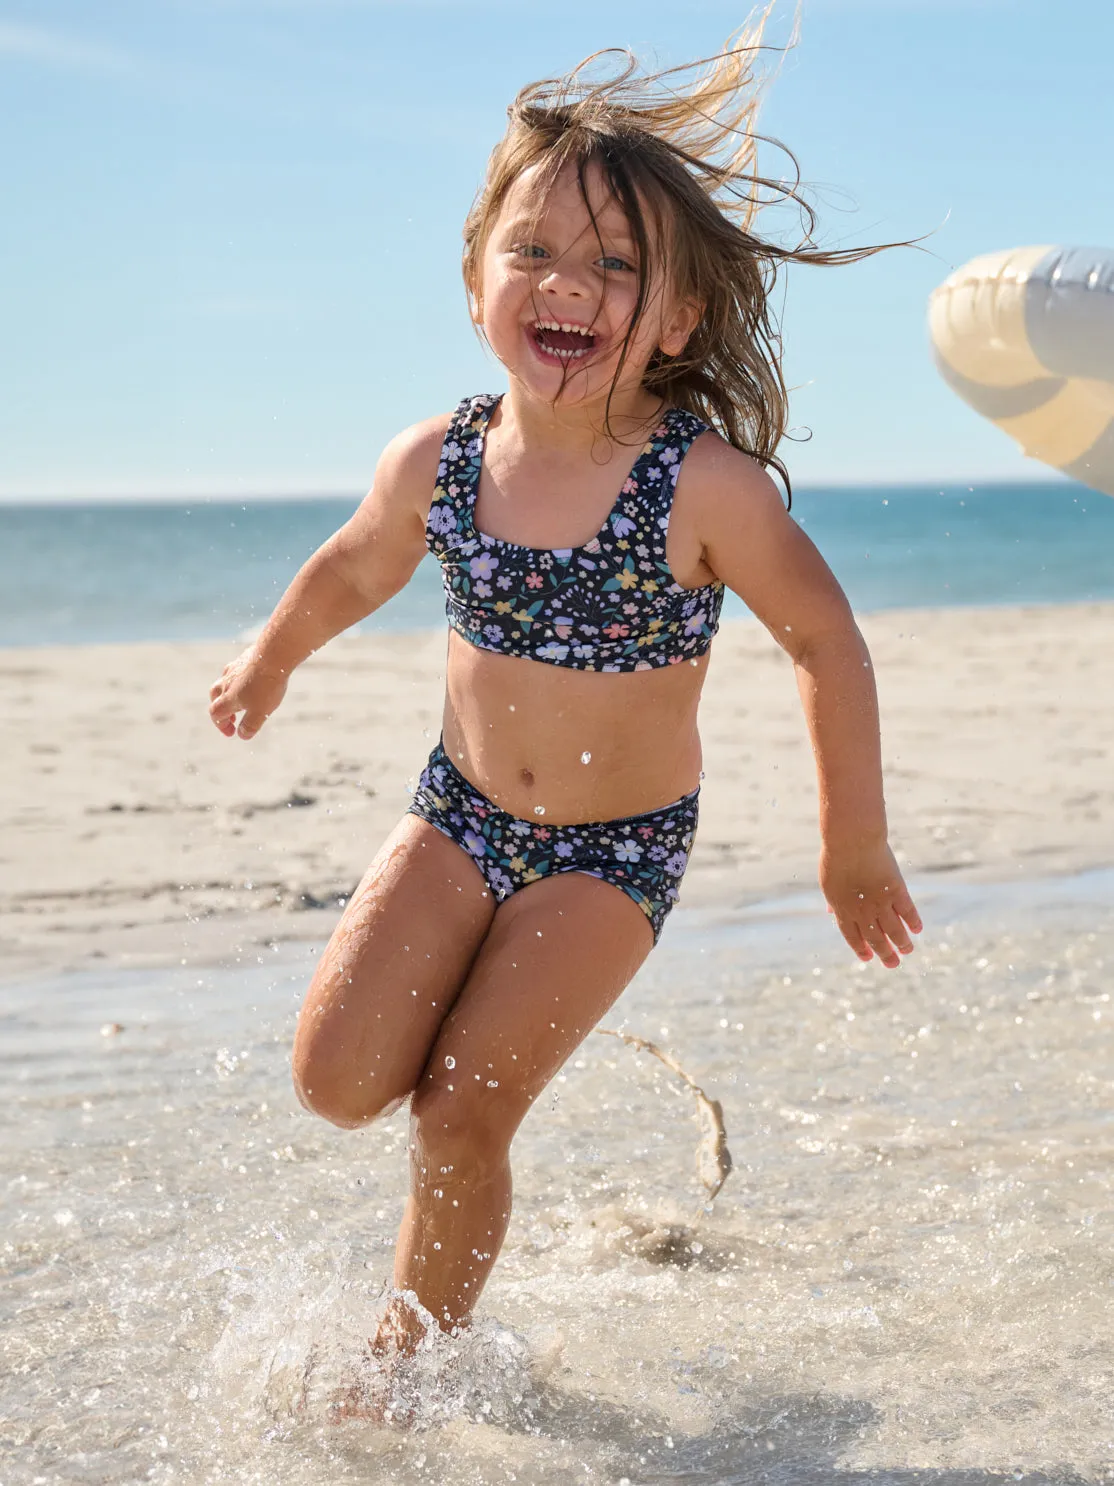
(611, 605)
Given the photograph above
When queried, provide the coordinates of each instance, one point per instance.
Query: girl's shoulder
(715, 473)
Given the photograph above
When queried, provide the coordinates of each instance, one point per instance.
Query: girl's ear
(678, 326)
(475, 307)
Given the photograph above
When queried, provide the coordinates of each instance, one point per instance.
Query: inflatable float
(1026, 337)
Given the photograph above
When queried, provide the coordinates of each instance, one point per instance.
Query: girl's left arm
(754, 546)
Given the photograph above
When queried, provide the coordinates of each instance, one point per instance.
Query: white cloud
(54, 48)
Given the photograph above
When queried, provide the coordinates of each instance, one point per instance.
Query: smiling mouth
(564, 341)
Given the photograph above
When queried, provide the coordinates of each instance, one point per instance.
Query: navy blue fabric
(611, 605)
(643, 855)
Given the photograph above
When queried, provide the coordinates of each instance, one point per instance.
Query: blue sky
(229, 231)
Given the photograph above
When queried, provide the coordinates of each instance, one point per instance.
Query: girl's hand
(871, 903)
(249, 687)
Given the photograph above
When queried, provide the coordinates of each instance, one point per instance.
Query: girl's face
(557, 295)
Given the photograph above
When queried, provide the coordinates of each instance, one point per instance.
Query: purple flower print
(482, 590)
(676, 863)
(553, 652)
(622, 526)
(669, 456)
(442, 520)
(694, 625)
(483, 566)
(493, 633)
(563, 849)
(628, 851)
(658, 853)
(473, 843)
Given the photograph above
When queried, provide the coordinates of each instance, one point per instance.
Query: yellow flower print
(516, 864)
(531, 876)
(649, 586)
(503, 607)
(654, 624)
(627, 579)
(623, 545)
(521, 615)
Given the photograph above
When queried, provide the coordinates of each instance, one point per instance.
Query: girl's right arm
(355, 572)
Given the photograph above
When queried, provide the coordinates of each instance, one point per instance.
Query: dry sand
(131, 830)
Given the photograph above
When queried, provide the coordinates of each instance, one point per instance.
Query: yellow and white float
(1026, 337)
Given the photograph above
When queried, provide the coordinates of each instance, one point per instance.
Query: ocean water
(78, 574)
(906, 1280)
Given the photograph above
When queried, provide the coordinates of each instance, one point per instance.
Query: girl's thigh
(557, 956)
(390, 973)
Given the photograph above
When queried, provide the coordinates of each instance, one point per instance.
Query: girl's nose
(559, 280)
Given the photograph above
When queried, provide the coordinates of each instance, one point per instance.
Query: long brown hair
(690, 153)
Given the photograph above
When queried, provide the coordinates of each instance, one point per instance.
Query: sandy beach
(132, 831)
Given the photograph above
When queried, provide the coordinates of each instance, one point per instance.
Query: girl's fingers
(881, 946)
(891, 923)
(851, 932)
(906, 908)
(250, 724)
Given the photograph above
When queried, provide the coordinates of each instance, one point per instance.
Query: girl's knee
(467, 1130)
(341, 1096)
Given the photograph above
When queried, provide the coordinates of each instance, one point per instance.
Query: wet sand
(131, 831)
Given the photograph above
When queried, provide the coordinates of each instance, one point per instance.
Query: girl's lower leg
(453, 1227)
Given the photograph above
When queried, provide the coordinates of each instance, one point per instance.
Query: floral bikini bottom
(644, 855)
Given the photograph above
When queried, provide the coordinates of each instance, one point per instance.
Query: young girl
(586, 522)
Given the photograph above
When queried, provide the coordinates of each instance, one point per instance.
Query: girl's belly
(571, 745)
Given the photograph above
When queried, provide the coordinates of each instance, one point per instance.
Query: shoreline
(133, 834)
(246, 635)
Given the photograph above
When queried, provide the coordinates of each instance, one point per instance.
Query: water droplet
(539, 809)
(450, 1061)
(511, 707)
(585, 757)
(493, 1083)
(436, 1245)
(437, 1192)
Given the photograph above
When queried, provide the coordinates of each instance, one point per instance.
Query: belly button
(527, 777)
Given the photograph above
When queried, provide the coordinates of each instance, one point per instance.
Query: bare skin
(428, 991)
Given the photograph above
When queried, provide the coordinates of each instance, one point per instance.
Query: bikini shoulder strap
(458, 470)
(661, 463)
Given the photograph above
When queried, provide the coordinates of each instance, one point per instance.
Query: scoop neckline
(565, 553)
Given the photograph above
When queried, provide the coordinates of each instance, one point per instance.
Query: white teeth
(561, 325)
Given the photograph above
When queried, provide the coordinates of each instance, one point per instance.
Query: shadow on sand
(791, 1440)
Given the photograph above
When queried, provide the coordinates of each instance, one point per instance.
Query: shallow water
(908, 1277)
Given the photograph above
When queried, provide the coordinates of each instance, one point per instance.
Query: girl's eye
(615, 265)
(529, 250)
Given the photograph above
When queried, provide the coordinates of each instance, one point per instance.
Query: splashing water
(906, 1278)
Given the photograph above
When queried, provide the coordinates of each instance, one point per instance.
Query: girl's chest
(545, 508)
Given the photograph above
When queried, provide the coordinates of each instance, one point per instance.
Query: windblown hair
(682, 163)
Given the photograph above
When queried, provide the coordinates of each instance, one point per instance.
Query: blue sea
(84, 573)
